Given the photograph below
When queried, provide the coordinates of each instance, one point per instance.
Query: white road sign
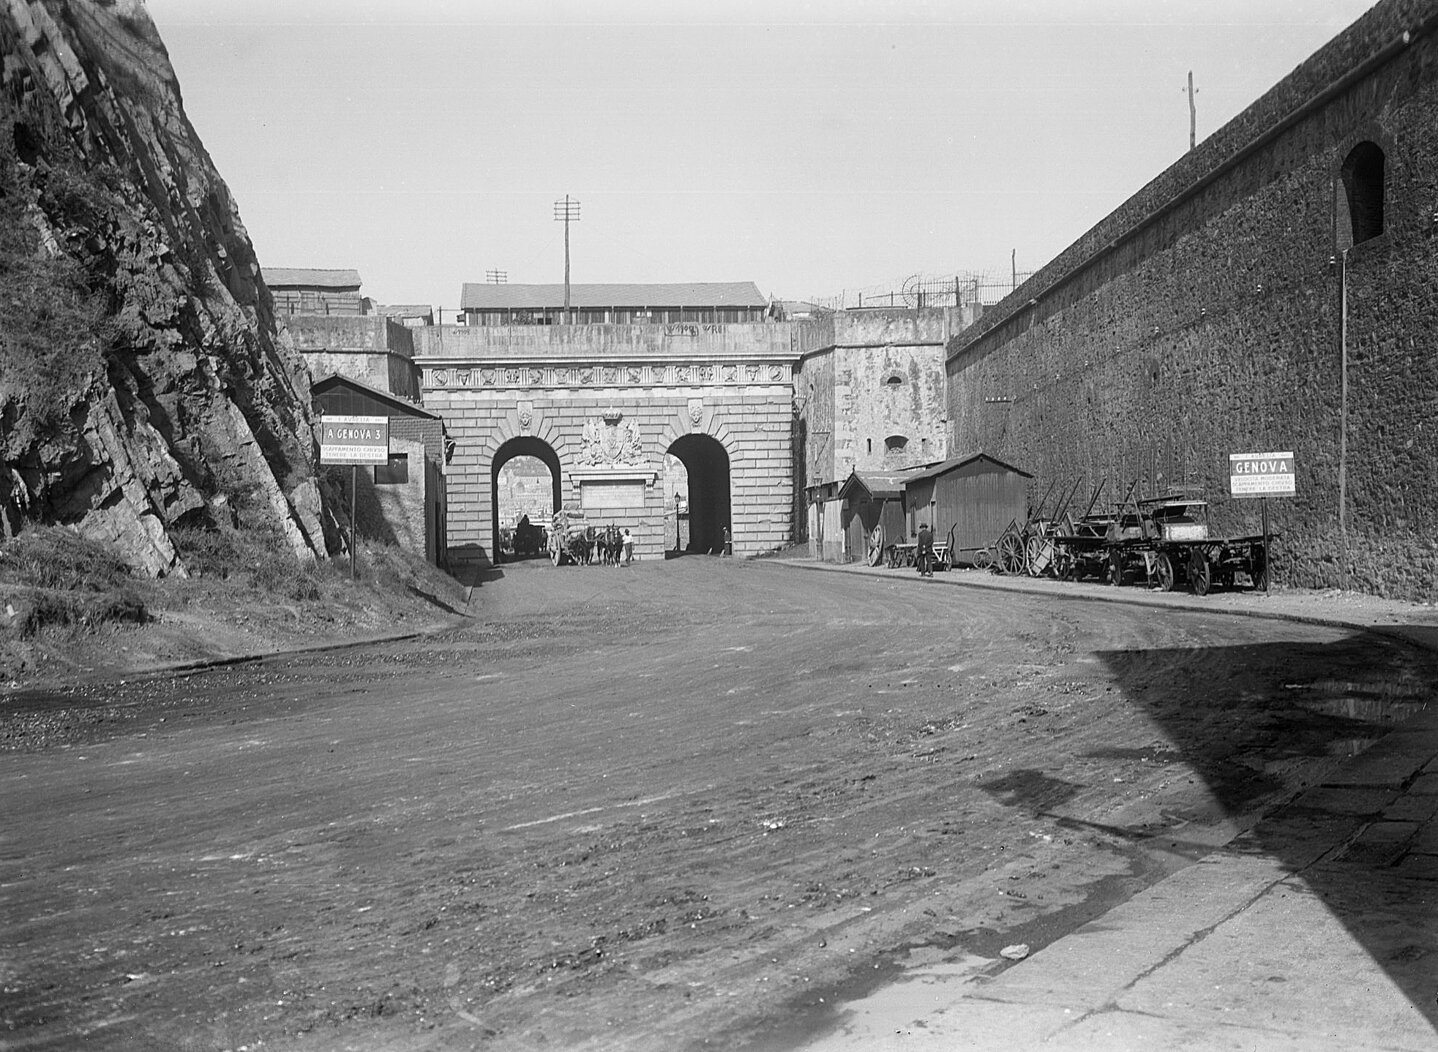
(1261, 474)
(354, 440)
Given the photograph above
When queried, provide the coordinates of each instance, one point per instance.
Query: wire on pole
(567, 212)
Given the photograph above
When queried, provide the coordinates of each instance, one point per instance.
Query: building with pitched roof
(696, 302)
(306, 290)
(403, 502)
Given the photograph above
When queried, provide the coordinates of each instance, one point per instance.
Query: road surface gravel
(687, 804)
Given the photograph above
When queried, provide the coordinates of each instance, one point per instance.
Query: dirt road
(690, 804)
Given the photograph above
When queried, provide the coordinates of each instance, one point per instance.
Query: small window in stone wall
(894, 380)
(1363, 185)
(395, 473)
(895, 444)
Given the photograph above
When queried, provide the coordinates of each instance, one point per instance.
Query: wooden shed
(975, 496)
(868, 499)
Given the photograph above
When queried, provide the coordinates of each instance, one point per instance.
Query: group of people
(613, 546)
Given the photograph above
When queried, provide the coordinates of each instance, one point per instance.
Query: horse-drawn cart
(569, 540)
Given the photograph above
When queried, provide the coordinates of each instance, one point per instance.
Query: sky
(814, 148)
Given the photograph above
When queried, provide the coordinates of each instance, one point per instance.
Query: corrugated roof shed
(681, 294)
(309, 278)
(880, 485)
(949, 465)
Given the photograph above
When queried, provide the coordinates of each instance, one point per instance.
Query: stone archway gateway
(608, 401)
(708, 499)
(523, 446)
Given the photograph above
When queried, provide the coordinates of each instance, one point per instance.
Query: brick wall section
(1203, 318)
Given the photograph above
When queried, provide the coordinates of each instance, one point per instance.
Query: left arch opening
(521, 490)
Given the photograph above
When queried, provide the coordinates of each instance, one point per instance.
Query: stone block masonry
(1274, 290)
(602, 405)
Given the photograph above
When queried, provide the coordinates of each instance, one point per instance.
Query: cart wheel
(1200, 573)
(876, 546)
(1034, 556)
(983, 559)
(556, 556)
(1011, 553)
(891, 556)
(1115, 568)
(947, 562)
(1259, 572)
(1163, 570)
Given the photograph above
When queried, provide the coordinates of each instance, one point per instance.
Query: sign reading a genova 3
(354, 440)
(1261, 475)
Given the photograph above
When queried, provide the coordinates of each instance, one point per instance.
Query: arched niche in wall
(1360, 196)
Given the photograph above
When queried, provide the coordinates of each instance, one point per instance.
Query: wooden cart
(1166, 540)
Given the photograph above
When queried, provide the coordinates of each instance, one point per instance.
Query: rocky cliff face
(142, 381)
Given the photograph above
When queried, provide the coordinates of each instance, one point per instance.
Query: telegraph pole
(566, 211)
(1192, 114)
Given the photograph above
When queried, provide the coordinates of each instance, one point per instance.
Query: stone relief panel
(611, 440)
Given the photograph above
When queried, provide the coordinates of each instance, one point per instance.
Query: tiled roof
(303, 277)
(405, 310)
(684, 294)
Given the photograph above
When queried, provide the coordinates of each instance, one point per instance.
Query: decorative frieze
(623, 375)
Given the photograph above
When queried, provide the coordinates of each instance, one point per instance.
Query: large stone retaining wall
(610, 401)
(1207, 317)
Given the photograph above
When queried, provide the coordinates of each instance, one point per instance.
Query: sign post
(354, 440)
(1261, 475)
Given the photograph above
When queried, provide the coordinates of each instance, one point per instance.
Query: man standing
(924, 553)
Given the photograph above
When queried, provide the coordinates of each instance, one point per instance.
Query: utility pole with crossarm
(566, 211)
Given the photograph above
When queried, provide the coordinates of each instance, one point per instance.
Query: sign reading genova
(1261, 475)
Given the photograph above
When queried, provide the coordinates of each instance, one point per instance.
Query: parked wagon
(1167, 539)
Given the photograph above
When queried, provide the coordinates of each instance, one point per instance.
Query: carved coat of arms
(612, 440)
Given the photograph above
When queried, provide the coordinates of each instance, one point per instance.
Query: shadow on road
(1249, 729)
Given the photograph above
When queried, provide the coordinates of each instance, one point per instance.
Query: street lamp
(676, 520)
